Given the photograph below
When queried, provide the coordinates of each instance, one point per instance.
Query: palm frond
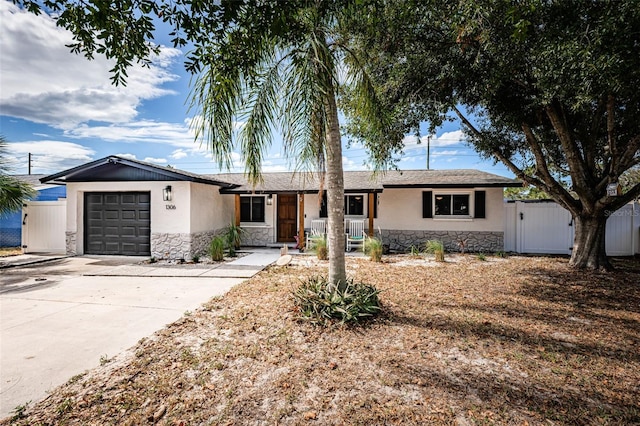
(13, 192)
(215, 98)
(260, 107)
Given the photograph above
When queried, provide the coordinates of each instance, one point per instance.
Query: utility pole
(428, 149)
(30, 163)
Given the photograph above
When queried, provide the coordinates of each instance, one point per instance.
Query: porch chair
(356, 234)
(318, 230)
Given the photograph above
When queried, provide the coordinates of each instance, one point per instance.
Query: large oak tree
(549, 88)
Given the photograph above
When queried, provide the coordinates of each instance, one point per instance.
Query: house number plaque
(170, 206)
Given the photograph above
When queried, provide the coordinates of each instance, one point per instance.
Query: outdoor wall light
(166, 193)
(269, 199)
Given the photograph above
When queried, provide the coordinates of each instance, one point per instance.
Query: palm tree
(285, 75)
(12, 191)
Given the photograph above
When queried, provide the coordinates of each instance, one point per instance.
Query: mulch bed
(521, 340)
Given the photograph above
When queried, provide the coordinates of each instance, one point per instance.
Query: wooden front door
(287, 217)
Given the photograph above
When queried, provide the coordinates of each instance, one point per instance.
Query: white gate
(43, 226)
(620, 231)
(547, 228)
(544, 228)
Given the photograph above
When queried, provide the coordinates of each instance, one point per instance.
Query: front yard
(521, 340)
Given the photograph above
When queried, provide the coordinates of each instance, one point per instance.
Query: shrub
(436, 248)
(320, 302)
(233, 237)
(373, 247)
(501, 253)
(195, 258)
(216, 249)
(415, 251)
(320, 246)
(482, 257)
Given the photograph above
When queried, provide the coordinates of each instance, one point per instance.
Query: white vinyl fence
(547, 228)
(43, 226)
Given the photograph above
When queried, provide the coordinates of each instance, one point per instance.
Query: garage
(117, 223)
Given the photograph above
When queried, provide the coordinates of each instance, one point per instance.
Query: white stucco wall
(209, 209)
(194, 207)
(402, 209)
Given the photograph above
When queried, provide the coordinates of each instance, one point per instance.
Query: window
(252, 209)
(354, 205)
(452, 205)
(323, 205)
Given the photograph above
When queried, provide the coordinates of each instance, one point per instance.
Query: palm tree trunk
(335, 197)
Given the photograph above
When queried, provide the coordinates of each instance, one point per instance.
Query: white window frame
(451, 193)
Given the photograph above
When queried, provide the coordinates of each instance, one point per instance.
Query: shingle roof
(364, 181)
(97, 171)
(30, 179)
(356, 181)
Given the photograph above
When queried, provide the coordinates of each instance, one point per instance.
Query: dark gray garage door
(117, 223)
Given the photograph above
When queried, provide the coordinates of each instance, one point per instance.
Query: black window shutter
(427, 207)
(323, 206)
(480, 205)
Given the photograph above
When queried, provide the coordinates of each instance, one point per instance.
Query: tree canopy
(551, 86)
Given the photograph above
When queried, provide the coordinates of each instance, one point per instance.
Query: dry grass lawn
(522, 340)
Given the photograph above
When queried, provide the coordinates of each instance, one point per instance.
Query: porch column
(237, 218)
(301, 239)
(371, 210)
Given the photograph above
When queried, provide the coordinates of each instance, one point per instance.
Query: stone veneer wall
(259, 236)
(70, 242)
(181, 246)
(476, 241)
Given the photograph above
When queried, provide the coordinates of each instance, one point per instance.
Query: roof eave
(456, 185)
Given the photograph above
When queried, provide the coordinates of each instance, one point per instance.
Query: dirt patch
(522, 340)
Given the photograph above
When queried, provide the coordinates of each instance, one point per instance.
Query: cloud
(146, 159)
(48, 156)
(349, 165)
(127, 156)
(179, 154)
(43, 82)
(441, 153)
(446, 139)
(142, 131)
(155, 160)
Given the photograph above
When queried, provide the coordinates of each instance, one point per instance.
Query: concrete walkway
(63, 316)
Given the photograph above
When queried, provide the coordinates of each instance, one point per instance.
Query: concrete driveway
(60, 318)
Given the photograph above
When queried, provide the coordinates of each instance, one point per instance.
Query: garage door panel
(111, 215)
(129, 215)
(128, 199)
(118, 223)
(112, 199)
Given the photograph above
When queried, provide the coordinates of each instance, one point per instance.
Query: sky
(63, 109)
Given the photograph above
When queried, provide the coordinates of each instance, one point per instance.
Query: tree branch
(551, 185)
(572, 154)
(611, 140)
